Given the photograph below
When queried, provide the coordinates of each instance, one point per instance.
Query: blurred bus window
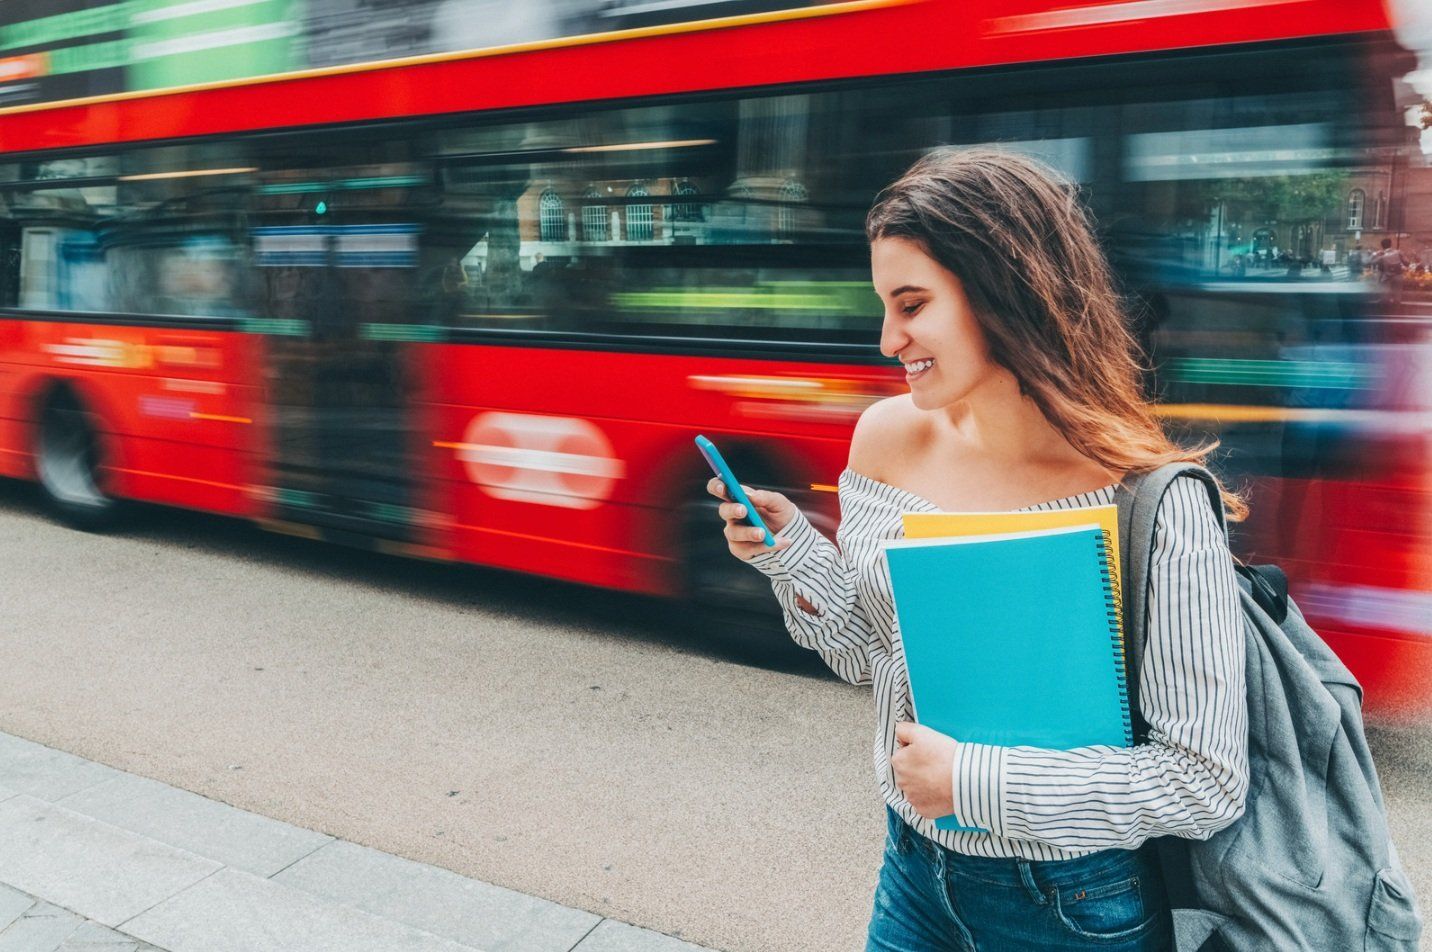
(148, 232)
(711, 221)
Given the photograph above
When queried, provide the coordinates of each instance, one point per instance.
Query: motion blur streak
(319, 264)
(1102, 13)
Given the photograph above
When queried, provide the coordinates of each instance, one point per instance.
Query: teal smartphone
(733, 485)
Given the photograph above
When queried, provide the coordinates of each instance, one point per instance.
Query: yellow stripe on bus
(219, 417)
(1246, 413)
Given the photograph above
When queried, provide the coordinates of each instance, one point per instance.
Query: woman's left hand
(923, 765)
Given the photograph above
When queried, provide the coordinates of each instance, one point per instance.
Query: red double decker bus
(473, 304)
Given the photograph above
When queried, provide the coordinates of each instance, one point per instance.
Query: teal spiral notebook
(1013, 640)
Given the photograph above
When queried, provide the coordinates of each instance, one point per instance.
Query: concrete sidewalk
(93, 859)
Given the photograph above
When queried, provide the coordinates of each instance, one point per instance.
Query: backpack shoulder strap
(1139, 497)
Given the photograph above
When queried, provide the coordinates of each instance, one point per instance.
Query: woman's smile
(916, 369)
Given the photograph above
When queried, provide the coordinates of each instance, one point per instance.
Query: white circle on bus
(548, 461)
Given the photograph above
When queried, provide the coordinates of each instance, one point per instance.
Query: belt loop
(899, 832)
(1026, 876)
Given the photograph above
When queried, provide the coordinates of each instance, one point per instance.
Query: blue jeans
(930, 899)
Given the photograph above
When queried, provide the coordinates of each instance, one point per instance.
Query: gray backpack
(1310, 864)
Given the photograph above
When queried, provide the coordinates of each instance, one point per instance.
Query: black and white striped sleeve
(1191, 777)
(814, 569)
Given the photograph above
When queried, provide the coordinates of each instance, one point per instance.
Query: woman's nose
(892, 340)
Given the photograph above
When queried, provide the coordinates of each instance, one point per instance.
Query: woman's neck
(1002, 425)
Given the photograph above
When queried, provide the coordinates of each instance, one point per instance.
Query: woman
(1024, 393)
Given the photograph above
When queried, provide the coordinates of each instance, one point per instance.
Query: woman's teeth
(919, 366)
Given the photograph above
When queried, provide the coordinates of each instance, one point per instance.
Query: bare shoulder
(882, 435)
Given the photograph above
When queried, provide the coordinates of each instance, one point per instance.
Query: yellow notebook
(940, 525)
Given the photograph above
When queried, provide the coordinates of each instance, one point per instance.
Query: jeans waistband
(1014, 871)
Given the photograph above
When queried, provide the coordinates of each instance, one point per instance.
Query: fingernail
(740, 512)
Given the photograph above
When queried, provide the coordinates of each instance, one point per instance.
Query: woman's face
(929, 325)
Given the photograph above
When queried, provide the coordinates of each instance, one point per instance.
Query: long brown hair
(1017, 236)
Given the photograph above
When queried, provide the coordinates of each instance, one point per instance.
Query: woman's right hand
(744, 541)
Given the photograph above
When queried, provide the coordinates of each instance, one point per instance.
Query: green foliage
(1279, 198)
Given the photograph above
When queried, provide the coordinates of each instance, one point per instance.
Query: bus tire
(68, 461)
(731, 603)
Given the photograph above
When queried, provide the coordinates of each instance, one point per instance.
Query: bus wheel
(731, 602)
(67, 461)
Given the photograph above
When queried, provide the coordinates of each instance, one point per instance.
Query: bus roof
(810, 43)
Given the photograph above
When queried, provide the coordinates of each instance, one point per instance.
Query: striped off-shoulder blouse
(1189, 779)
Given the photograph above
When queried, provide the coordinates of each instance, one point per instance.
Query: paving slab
(43, 928)
(234, 911)
(93, 937)
(126, 864)
(46, 773)
(438, 901)
(613, 936)
(208, 828)
(13, 905)
(96, 870)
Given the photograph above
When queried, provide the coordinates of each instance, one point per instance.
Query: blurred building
(1391, 199)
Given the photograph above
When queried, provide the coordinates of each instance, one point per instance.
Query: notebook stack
(1011, 627)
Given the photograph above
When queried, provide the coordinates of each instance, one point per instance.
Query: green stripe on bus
(296, 497)
(383, 181)
(1329, 374)
(47, 31)
(275, 327)
(789, 298)
(427, 333)
(80, 59)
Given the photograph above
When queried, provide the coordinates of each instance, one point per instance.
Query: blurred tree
(1285, 199)
(1315, 201)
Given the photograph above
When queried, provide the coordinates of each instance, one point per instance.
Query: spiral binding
(1114, 612)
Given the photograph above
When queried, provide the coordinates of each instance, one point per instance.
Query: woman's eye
(909, 309)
